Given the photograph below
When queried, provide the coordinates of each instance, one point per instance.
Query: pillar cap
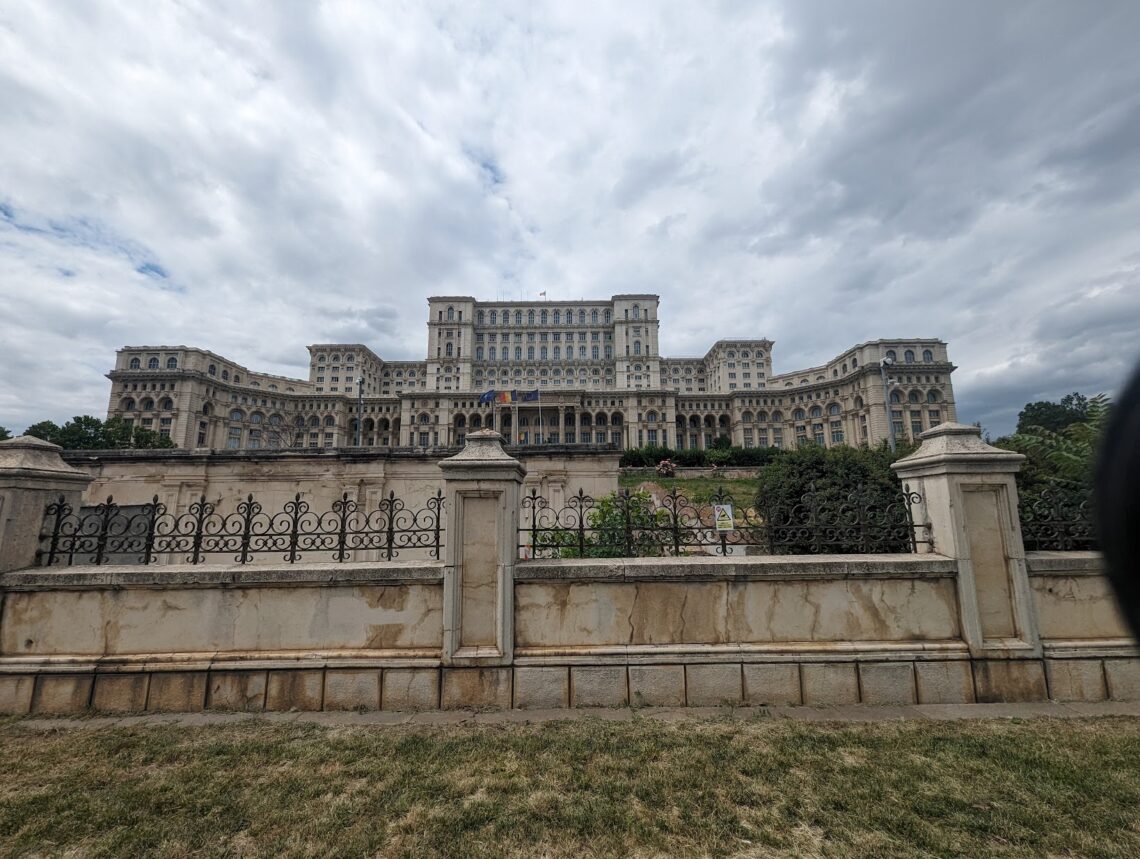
(958, 445)
(28, 456)
(483, 449)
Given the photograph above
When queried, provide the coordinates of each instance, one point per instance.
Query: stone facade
(596, 366)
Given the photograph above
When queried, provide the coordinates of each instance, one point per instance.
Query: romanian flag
(504, 396)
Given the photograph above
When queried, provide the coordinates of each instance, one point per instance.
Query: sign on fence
(722, 515)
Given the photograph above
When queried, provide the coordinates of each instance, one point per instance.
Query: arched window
(518, 317)
(854, 363)
(167, 404)
(330, 421)
(479, 317)
(858, 402)
(914, 397)
(450, 314)
(424, 418)
(581, 317)
(636, 347)
(908, 356)
(518, 353)
(206, 409)
(557, 352)
(594, 316)
(542, 353)
(557, 317)
(816, 412)
(927, 356)
(336, 359)
(127, 405)
(492, 353)
(543, 317)
(896, 397)
(225, 375)
(608, 316)
(256, 418)
(450, 350)
(761, 417)
(651, 417)
(135, 364)
(798, 415)
(314, 421)
(746, 417)
(152, 364)
(530, 353)
(478, 353)
(636, 312)
(594, 352)
(569, 317)
(237, 415)
(494, 317)
(891, 354)
(932, 397)
(275, 420)
(321, 359)
(530, 317)
(171, 363)
(582, 353)
(777, 417)
(834, 409)
(237, 377)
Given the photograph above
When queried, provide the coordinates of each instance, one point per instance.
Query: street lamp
(359, 408)
(886, 362)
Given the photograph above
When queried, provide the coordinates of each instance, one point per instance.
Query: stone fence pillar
(482, 490)
(970, 500)
(32, 474)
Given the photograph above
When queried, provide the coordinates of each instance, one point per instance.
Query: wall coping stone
(957, 445)
(26, 457)
(710, 568)
(221, 575)
(1081, 563)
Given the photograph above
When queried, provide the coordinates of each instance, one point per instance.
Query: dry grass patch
(576, 788)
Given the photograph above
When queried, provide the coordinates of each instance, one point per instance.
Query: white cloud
(253, 177)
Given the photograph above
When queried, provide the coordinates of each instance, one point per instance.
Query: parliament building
(561, 372)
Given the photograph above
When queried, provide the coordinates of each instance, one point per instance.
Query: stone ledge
(214, 575)
(1066, 563)
(756, 567)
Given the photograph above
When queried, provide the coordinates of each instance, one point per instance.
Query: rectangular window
(836, 432)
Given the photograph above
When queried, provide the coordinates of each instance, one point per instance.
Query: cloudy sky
(254, 177)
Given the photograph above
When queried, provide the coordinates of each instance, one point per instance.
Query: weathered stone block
(410, 689)
(944, 682)
(348, 689)
(598, 686)
(772, 683)
(1123, 676)
(830, 683)
(1009, 681)
(476, 688)
(1075, 679)
(237, 690)
(542, 688)
(16, 693)
(713, 685)
(657, 685)
(120, 693)
(177, 692)
(62, 693)
(294, 690)
(887, 682)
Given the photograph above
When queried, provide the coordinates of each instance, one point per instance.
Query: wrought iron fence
(108, 533)
(638, 525)
(1057, 519)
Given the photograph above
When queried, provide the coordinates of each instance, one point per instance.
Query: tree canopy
(85, 432)
(1054, 417)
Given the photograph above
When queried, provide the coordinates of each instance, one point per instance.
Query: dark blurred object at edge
(1118, 500)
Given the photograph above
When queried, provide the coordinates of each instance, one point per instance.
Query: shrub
(619, 524)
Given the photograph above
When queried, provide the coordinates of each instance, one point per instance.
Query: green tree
(85, 432)
(1065, 457)
(46, 430)
(1054, 417)
(4, 434)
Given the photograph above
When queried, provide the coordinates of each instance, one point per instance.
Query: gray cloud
(253, 178)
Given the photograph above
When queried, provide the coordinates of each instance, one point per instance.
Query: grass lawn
(716, 787)
(700, 489)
